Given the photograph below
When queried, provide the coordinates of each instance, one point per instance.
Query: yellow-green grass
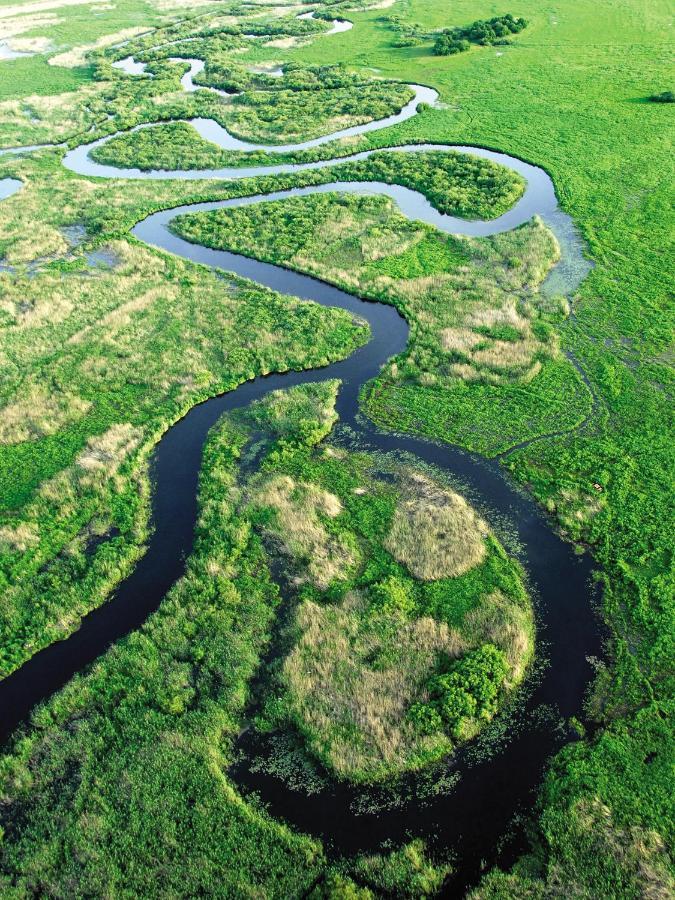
(394, 582)
(434, 532)
(86, 350)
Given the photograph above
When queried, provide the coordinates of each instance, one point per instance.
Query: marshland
(334, 556)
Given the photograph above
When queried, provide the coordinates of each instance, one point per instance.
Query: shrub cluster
(663, 97)
(469, 691)
(482, 31)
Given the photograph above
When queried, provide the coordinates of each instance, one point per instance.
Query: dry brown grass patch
(285, 43)
(298, 527)
(462, 340)
(120, 318)
(435, 533)
(17, 25)
(336, 692)
(18, 538)
(386, 242)
(506, 354)
(77, 56)
(107, 451)
(37, 411)
(493, 358)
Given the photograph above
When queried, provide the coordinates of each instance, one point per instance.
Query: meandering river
(473, 817)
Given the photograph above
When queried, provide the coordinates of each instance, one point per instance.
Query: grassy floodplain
(120, 351)
(158, 715)
(484, 367)
(81, 351)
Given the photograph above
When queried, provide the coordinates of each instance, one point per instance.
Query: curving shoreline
(478, 810)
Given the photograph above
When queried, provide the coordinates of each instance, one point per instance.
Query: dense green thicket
(482, 31)
(232, 73)
(407, 872)
(663, 97)
(468, 691)
(286, 116)
(456, 184)
(410, 34)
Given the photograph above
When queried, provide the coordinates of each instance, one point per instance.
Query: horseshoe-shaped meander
(493, 788)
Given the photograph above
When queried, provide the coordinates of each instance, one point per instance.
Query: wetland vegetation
(381, 611)
(362, 603)
(483, 367)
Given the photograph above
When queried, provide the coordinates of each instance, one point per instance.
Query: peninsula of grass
(411, 625)
(483, 366)
(456, 184)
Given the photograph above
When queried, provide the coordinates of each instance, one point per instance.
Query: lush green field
(35, 76)
(95, 367)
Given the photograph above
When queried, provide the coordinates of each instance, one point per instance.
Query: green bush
(447, 45)
(663, 97)
(426, 718)
(482, 31)
(393, 596)
(469, 690)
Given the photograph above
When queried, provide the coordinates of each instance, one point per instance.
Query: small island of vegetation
(483, 32)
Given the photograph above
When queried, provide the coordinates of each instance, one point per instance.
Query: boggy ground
(101, 333)
(483, 367)
(142, 743)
